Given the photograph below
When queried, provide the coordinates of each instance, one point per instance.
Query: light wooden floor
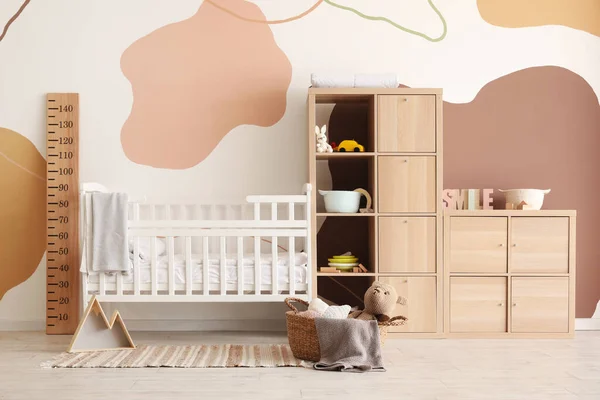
(417, 369)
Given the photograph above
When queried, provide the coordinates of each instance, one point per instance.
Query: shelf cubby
(344, 289)
(338, 235)
(348, 119)
(346, 173)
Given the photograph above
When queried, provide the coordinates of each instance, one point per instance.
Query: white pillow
(337, 312)
(318, 305)
(145, 247)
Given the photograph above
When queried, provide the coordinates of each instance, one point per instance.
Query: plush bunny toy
(322, 145)
(380, 301)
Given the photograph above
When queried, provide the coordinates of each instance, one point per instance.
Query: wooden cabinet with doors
(540, 304)
(406, 123)
(540, 245)
(509, 273)
(407, 244)
(478, 304)
(400, 242)
(421, 304)
(478, 244)
(407, 184)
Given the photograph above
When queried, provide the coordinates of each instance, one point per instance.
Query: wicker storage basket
(302, 332)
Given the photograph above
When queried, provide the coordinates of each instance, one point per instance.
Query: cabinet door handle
(405, 221)
(405, 281)
(499, 304)
(514, 245)
(405, 99)
(501, 244)
(405, 160)
(514, 304)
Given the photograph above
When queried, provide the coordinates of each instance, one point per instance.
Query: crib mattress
(214, 270)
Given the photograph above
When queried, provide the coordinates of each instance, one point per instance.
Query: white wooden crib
(269, 231)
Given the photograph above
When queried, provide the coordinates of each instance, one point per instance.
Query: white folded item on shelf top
(386, 80)
(376, 80)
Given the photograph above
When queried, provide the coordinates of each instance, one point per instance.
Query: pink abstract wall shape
(195, 80)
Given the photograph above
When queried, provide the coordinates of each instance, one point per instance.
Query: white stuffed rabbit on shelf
(322, 145)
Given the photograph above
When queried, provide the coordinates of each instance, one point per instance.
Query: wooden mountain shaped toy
(95, 332)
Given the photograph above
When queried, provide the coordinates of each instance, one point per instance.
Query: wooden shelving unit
(401, 241)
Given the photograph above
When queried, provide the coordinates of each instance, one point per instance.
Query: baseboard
(269, 325)
(23, 326)
(193, 325)
(587, 324)
(175, 325)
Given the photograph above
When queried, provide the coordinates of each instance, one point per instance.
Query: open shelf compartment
(345, 289)
(346, 174)
(338, 235)
(348, 119)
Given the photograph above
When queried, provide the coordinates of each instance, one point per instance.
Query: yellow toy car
(350, 145)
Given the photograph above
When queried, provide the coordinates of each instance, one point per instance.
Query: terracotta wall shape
(535, 128)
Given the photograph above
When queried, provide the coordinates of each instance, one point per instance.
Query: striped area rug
(200, 356)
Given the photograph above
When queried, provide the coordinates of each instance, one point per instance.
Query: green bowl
(340, 268)
(343, 260)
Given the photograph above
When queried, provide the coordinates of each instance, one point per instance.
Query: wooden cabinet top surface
(510, 213)
(373, 91)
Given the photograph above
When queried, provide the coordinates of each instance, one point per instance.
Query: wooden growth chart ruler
(62, 178)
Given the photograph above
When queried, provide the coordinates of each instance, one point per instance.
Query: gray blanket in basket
(349, 345)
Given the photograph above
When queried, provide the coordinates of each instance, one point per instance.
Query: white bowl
(533, 197)
(344, 201)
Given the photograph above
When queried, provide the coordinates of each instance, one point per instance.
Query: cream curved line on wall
(381, 18)
(22, 209)
(341, 6)
(578, 14)
(537, 127)
(195, 80)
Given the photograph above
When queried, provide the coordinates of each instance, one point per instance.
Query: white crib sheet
(214, 269)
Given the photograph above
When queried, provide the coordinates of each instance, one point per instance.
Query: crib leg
(86, 301)
(85, 298)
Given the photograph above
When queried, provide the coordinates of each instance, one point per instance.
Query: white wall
(73, 45)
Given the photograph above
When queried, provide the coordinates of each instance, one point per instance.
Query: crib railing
(245, 233)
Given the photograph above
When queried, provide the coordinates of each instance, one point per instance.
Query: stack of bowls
(344, 263)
